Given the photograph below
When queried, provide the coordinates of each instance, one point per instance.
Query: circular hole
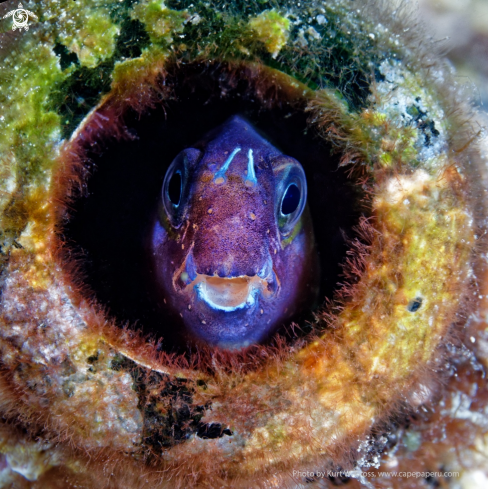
(109, 227)
(415, 304)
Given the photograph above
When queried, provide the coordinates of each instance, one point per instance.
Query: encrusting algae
(390, 375)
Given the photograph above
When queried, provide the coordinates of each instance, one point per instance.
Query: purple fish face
(233, 244)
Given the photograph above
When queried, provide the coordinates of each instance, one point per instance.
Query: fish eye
(175, 190)
(290, 200)
(291, 186)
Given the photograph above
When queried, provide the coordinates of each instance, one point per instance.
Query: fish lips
(230, 294)
(229, 311)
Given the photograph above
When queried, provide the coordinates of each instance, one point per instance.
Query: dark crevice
(170, 415)
(212, 431)
(426, 126)
(66, 58)
(132, 39)
(83, 88)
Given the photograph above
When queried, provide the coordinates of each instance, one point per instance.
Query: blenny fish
(233, 243)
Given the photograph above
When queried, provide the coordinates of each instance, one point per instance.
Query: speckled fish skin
(228, 226)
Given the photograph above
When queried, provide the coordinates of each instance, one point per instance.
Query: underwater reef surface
(382, 385)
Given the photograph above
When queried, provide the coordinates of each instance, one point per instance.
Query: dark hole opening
(415, 304)
(109, 227)
(212, 431)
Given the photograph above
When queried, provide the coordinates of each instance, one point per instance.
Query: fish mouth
(226, 293)
(230, 294)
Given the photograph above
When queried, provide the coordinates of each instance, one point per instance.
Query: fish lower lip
(228, 294)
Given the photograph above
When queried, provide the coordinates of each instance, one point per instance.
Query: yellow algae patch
(87, 30)
(272, 29)
(404, 304)
(161, 22)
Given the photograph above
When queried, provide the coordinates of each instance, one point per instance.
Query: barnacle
(391, 373)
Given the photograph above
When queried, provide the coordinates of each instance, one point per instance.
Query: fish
(232, 243)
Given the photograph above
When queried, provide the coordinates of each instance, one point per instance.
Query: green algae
(29, 129)
(82, 86)
(254, 32)
(85, 28)
(162, 23)
(54, 90)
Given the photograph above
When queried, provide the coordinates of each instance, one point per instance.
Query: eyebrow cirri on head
(219, 176)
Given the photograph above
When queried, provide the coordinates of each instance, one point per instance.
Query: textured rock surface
(392, 377)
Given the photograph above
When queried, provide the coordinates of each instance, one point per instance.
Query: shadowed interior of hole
(109, 227)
